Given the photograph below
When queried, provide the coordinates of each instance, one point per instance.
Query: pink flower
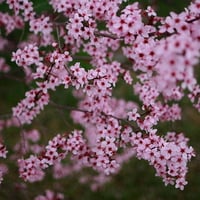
(133, 115)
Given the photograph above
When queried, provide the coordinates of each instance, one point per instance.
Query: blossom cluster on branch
(156, 56)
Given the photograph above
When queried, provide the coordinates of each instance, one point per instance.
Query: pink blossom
(133, 115)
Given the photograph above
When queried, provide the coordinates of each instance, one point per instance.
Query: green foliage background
(136, 180)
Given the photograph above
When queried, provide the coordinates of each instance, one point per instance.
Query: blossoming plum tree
(124, 43)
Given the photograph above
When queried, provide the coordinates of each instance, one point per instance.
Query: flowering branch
(162, 54)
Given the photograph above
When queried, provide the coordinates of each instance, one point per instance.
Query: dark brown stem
(84, 58)
(85, 111)
(68, 107)
(193, 20)
(109, 35)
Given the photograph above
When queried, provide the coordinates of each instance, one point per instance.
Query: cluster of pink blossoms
(155, 56)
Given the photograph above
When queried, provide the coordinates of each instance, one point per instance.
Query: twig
(58, 39)
(86, 111)
(109, 35)
(68, 107)
(193, 20)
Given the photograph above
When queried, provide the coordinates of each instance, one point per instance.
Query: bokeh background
(136, 180)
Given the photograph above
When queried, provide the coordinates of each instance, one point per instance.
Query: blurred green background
(136, 180)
